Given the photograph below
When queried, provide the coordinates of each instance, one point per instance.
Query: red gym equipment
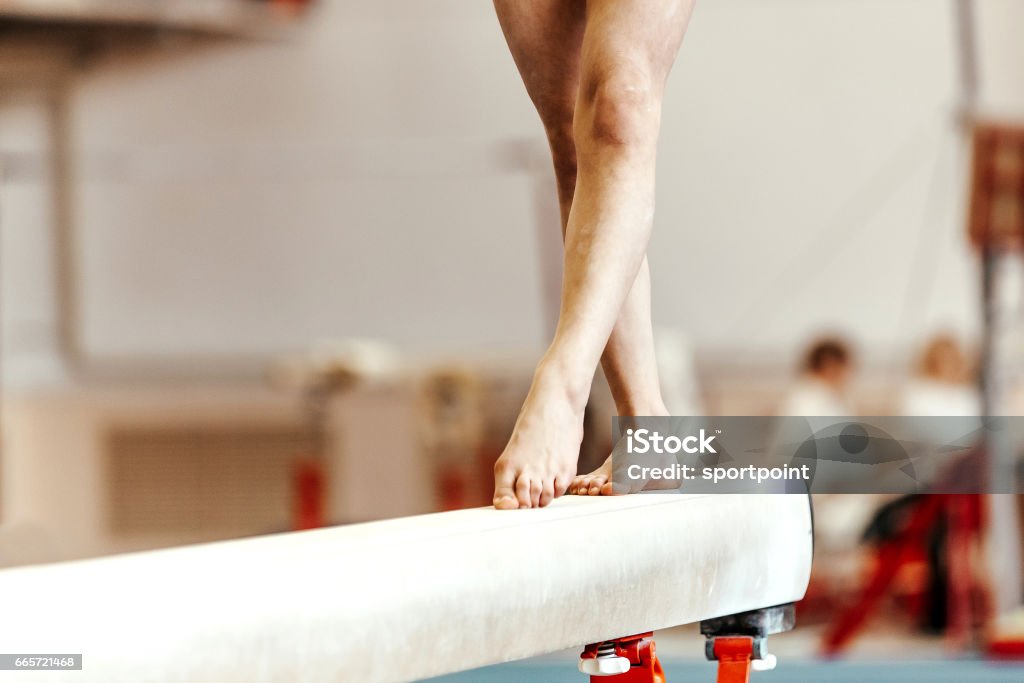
(737, 642)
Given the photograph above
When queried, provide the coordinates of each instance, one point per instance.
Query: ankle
(555, 376)
(642, 408)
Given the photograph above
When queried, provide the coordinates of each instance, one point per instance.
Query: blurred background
(277, 264)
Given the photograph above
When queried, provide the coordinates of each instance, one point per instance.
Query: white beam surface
(410, 598)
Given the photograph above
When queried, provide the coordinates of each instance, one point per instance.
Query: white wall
(248, 198)
(280, 193)
(28, 312)
(1001, 56)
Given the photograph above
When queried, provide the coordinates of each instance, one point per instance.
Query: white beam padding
(410, 598)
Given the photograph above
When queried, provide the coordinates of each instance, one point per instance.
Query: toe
(506, 503)
(560, 485)
(536, 490)
(523, 490)
(547, 493)
(504, 493)
(613, 488)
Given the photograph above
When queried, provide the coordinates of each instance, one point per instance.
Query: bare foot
(604, 482)
(540, 459)
(598, 482)
(610, 478)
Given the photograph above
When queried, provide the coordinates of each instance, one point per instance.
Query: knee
(621, 108)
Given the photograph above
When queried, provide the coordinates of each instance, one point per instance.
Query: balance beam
(410, 598)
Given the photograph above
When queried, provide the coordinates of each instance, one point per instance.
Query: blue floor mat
(952, 671)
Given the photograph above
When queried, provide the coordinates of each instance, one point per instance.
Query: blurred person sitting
(942, 384)
(940, 387)
(819, 396)
(821, 390)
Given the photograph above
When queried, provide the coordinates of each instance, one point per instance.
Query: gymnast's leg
(627, 51)
(631, 369)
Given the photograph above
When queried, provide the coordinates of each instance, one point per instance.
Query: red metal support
(634, 654)
(633, 660)
(734, 655)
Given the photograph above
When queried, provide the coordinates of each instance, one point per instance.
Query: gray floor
(886, 652)
(950, 671)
